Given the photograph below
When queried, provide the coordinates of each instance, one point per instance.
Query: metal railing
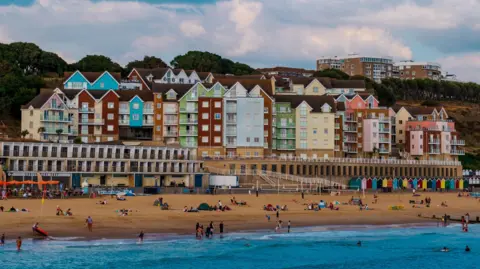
(457, 142)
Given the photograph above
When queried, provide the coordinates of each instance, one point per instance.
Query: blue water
(382, 247)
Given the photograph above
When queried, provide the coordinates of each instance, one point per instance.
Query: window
(31, 124)
(218, 104)
(110, 116)
(159, 105)
(218, 116)
(374, 125)
(325, 130)
(325, 120)
(303, 144)
(315, 89)
(110, 128)
(173, 80)
(303, 110)
(205, 127)
(400, 122)
(413, 136)
(102, 85)
(303, 134)
(256, 140)
(374, 135)
(159, 128)
(181, 80)
(421, 146)
(159, 117)
(315, 141)
(265, 121)
(109, 138)
(205, 116)
(136, 106)
(303, 122)
(217, 139)
(205, 104)
(31, 113)
(400, 141)
(204, 139)
(256, 154)
(400, 132)
(110, 105)
(135, 117)
(265, 110)
(315, 131)
(248, 139)
(218, 128)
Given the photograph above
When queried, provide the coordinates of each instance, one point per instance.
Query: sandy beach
(144, 216)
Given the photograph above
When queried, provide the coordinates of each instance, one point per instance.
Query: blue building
(92, 80)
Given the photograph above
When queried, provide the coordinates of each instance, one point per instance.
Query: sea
(396, 247)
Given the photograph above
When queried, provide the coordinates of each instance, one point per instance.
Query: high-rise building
(412, 70)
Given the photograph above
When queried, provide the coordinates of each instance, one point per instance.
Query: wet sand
(109, 224)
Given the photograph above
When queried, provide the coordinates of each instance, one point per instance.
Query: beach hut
(438, 184)
(433, 184)
(369, 183)
(354, 183)
(452, 184)
(466, 183)
(390, 183)
(379, 183)
(374, 183)
(442, 184)
(405, 183)
(395, 183)
(461, 184)
(424, 183)
(415, 183)
(457, 184)
(385, 183)
(364, 183)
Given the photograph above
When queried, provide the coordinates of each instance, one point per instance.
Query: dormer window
(173, 80)
(326, 108)
(150, 77)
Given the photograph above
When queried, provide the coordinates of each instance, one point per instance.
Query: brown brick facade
(110, 97)
(212, 109)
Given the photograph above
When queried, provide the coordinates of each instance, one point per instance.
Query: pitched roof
(420, 110)
(203, 75)
(70, 93)
(286, 69)
(180, 89)
(326, 82)
(127, 95)
(249, 84)
(39, 100)
(157, 73)
(353, 84)
(92, 76)
(341, 106)
(315, 101)
(253, 76)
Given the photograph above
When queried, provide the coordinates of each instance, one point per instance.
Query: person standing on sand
(140, 237)
(288, 226)
(278, 214)
(19, 243)
(268, 217)
(2, 240)
(89, 222)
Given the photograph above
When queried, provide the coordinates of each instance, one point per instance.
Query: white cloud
(192, 28)
(465, 66)
(4, 36)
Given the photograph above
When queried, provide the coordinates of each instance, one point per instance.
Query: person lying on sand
(59, 211)
(12, 209)
(444, 204)
(69, 212)
(121, 198)
(104, 202)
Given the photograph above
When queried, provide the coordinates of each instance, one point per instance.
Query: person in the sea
(211, 228)
(140, 236)
(288, 226)
(19, 243)
(359, 243)
(2, 240)
(89, 222)
(445, 249)
(221, 228)
(467, 249)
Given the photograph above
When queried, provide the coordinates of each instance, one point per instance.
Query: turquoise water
(318, 247)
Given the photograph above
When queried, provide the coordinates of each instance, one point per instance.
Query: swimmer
(445, 249)
(467, 249)
(140, 237)
(359, 243)
(247, 245)
(19, 243)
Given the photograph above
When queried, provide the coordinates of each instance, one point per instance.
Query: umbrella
(27, 182)
(13, 182)
(51, 182)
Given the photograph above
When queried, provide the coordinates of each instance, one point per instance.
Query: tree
(209, 62)
(41, 130)
(96, 63)
(385, 95)
(77, 140)
(59, 133)
(148, 62)
(331, 73)
(24, 134)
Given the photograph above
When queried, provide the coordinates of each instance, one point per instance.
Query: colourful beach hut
(364, 183)
(460, 184)
(452, 184)
(390, 183)
(442, 184)
(439, 184)
(374, 183)
(433, 185)
(369, 183)
(415, 183)
(395, 183)
(457, 184)
(379, 183)
(354, 183)
(385, 183)
(405, 183)
(466, 183)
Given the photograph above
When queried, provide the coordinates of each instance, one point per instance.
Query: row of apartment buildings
(378, 68)
(249, 116)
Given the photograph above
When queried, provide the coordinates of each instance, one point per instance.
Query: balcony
(434, 141)
(434, 151)
(383, 150)
(123, 122)
(286, 125)
(457, 152)
(456, 142)
(64, 131)
(337, 148)
(188, 121)
(231, 132)
(92, 121)
(337, 125)
(350, 130)
(265, 145)
(337, 137)
(350, 140)
(351, 119)
(188, 133)
(57, 107)
(351, 150)
(231, 109)
(189, 109)
(148, 111)
(384, 119)
(285, 147)
(170, 111)
(286, 136)
(384, 130)
(147, 122)
(231, 121)
(86, 110)
(170, 122)
(231, 145)
(189, 144)
(124, 111)
(55, 119)
(171, 134)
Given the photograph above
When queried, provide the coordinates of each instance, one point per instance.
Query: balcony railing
(189, 109)
(383, 150)
(337, 125)
(350, 140)
(384, 140)
(337, 137)
(286, 125)
(457, 152)
(434, 151)
(433, 141)
(384, 130)
(337, 148)
(86, 110)
(123, 111)
(231, 109)
(351, 119)
(148, 111)
(286, 136)
(123, 122)
(188, 121)
(231, 145)
(457, 142)
(350, 150)
(285, 147)
(170, 111)
(55, 119)
(190, 144)
(350, 130)
(92, 121)
(170, 122)
(147, 122)
(231, 132)
(64, 131)
(171, 133)
(231, 121)
(188, 133)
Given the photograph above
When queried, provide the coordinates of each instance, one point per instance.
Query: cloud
(257, 32)
(191, 28)
(465, 66)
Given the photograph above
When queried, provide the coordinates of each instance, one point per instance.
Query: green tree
(147, 62)
(59, 133)
(209, 62)
(96, 63)
(24, 134)
(41, 130)
(331, 73)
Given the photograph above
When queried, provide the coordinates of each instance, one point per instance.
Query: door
(138, 180)
(198, 180)
(76, 180)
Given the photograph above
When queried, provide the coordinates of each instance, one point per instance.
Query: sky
(261, 33)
